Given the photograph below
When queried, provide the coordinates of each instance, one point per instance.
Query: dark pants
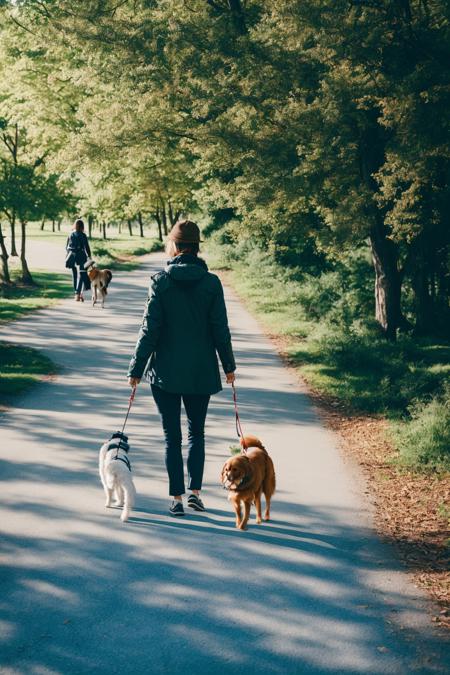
(169, 407)
(80, 280)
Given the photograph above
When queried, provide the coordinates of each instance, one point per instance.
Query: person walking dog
(184, 325)
(78, 251)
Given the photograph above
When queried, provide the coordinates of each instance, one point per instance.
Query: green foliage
(425, 439)
(310, 127)
(323, 320)
(368, 374)
(20, 368)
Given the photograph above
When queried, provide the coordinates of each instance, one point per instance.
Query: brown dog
(246, 476)
(100, 280)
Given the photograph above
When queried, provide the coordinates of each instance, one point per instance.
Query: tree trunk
(59, 226)
(423, 303)
(130, 227)
(43, 223)
(90, 223)
(103, 226)
(171, 217)
(387, 282)
(388, 279)
(237, 13)
(26, 275)
(4, 274)
(164, 217)
(120, 227)
(141, 224)
(53, 225)
(158, 221)
(424, 265)
(12, 223)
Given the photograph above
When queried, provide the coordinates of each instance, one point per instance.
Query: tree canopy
(314, 126)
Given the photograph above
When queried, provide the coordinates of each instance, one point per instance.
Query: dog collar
(238, 487)
(119, 446)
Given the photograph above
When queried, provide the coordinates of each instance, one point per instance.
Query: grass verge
(347, 361)
(17, 300)
(20, 368)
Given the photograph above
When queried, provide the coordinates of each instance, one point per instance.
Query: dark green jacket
(185, 323)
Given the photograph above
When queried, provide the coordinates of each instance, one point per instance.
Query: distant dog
(115, 473)
(100, 280)
(246, 477)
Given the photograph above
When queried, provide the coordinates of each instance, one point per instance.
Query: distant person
(78, 246)
(185, 324)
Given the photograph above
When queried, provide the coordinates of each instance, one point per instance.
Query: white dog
(115, 473)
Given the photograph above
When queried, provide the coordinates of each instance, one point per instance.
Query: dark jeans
(169, 407)
(80, 280)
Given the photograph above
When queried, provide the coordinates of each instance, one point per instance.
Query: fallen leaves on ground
(408, 504)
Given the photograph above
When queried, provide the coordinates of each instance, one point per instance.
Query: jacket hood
(186, 268)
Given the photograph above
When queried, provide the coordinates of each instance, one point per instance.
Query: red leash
(130, 403)
(239, 431)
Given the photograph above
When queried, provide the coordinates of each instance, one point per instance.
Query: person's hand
(134, 381)
(230, 378)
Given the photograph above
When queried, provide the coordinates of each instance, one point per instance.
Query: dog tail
(108, 274)
(252, 442)
(269, 483)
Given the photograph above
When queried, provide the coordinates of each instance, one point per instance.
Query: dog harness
(125, 460)
(121, 445)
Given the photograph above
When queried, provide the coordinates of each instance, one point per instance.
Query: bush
(425, 439)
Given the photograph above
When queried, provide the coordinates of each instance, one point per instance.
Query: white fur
(116, 479)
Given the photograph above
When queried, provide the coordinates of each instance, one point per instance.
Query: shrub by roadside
(341, 355)
(424, 441)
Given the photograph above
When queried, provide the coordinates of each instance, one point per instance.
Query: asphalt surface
(313, 591)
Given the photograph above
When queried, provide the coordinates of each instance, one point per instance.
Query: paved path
(314, 591)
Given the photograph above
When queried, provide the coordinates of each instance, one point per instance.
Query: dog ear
(222, 474)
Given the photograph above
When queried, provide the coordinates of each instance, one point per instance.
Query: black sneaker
(176, 508)
(196, 503)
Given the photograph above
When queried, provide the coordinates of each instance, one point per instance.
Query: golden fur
(246, 477)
